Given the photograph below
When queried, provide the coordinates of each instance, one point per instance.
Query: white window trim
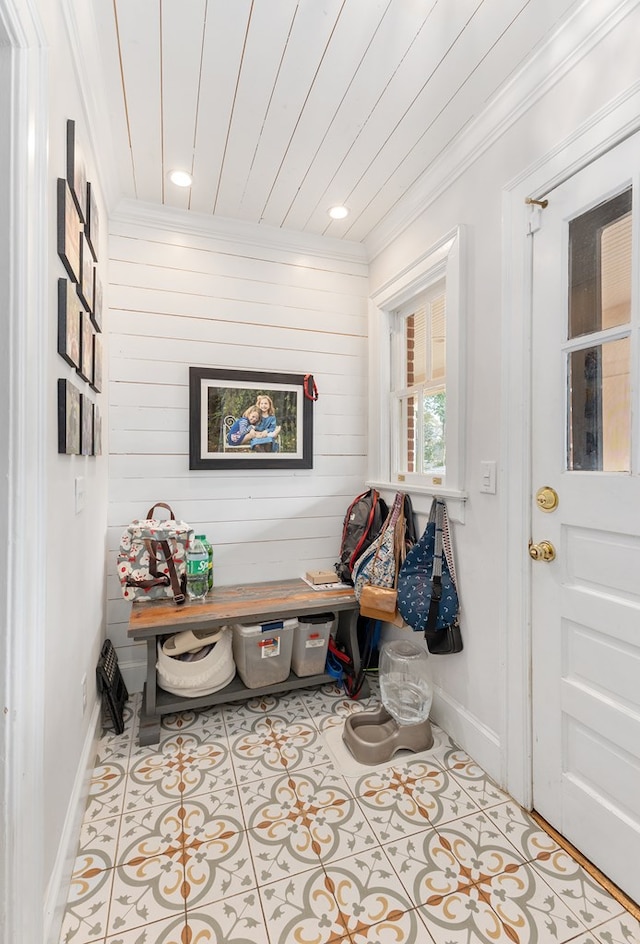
(443, 260)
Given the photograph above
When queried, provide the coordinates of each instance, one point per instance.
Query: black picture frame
(86, 348)
(92, 225)
(86, 425)
(86, 285)
(218, 396)
(68, 323)
(69, 229)
(76, 171)
(68, 418)
(97, 431)
(96, 308)
(96, 372)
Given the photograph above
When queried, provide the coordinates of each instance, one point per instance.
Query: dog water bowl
(373, 737)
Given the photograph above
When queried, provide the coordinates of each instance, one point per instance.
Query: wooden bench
(242, 603)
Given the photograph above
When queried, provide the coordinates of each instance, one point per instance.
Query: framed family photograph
(97, 430)
(96, 308)
(242, 419)
(76, 172)
(86, 425)
(96, 373)
(86, 348)
(92, 225)
(68, 418)
(87, 274)
(68, 323)
(69, 227)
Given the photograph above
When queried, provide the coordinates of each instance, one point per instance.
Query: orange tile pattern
(242, 826)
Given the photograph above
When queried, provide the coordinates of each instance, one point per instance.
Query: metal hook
(540, 203)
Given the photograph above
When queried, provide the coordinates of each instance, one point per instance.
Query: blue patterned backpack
(427, 586)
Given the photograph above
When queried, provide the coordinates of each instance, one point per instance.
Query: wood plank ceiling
(283, 108)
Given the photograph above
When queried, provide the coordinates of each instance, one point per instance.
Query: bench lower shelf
(236, 690)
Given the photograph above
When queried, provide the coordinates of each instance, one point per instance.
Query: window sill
(421, 496)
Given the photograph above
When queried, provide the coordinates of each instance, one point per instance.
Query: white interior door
(586, 602)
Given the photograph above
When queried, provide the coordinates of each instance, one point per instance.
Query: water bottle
(405, 688)
(208, 548)
(197, 570)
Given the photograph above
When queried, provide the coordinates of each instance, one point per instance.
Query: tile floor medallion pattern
(252, 824)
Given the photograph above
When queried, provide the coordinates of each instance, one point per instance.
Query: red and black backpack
(362, 523)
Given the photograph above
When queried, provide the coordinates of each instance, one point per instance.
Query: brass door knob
(544, 551)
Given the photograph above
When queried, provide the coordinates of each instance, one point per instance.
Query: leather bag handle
(178, 595)
(161, 505)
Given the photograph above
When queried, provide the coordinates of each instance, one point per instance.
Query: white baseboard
(479, 741)
(60, 879)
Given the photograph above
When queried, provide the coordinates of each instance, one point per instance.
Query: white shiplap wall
(181, 298)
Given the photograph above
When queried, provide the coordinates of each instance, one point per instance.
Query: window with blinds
(419, 394)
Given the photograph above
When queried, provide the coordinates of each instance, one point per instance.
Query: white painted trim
(480, 741)
(422, 496)
(444, 259)
(417, 275)
(21, 917)
(609, 127)
(55, 899)
(564, 48)
(175, 220)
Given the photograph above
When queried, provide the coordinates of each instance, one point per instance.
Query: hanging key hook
(539, 203)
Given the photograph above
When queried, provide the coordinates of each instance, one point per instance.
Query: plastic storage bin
(310, 643)
(262, 652)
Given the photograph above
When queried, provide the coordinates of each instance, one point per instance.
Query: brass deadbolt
(544, 551)
(547, 498)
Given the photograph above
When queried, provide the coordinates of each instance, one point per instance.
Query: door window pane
(599, 421)
(600, 267)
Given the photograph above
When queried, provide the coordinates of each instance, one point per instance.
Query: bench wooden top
(241, 603)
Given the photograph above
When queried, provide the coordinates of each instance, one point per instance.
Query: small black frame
(69, 314)
(68, 418)
(68, 230)
(218, 397)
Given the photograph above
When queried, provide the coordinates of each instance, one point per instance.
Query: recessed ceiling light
(338, 212)
(180, 178)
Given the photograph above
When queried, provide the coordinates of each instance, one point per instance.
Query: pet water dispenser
(402, 721)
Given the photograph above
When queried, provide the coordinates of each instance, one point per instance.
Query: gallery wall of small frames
(79, 307)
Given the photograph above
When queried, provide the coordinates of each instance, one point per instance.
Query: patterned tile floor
(251, 824)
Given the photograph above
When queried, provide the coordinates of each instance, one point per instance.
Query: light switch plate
(488, 477)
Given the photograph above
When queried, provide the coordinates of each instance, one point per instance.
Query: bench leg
(149, 717)
(149, 724)
(347, 635)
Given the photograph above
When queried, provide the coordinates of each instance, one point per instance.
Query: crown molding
(563, 49)
(250, 235)
(21, 23)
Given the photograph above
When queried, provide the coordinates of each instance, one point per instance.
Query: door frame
(610, 126)
(24, 235)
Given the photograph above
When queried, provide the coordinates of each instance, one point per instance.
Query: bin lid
(317, 618)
